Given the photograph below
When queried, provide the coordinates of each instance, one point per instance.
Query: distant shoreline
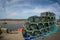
(12, 19)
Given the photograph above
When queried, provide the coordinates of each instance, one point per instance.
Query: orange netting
(20, 29)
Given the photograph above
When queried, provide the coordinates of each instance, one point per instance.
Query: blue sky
(21, 9)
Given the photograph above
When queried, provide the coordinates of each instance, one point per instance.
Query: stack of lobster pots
(39, 26)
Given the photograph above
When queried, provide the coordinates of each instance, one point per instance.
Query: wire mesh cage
(47, 18)
(34, 26)
(47, 14)
(33, 19)
(43, 31)
(42, 19)
(37, 19)
(31, 27)
(51, 23)
(40, 26)
(37, 33)
(52, 18)
(46, 25)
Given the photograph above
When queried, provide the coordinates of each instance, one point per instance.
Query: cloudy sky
(21, 9)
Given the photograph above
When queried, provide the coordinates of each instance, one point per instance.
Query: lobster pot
(51, 23)
(37, 19)
(24, 32)
(43, 31)
(31, 19)
(47, 18)
(33, 26)
(43, 26)
(37, 33)
(30, 27)
(46, 24)
(34, 19)
(52, 18)
(42, 19)
(47, 14)
(32, 34)
(29, 34)
(27, 24)
(40, 26)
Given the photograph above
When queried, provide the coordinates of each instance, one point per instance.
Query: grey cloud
(26, 8)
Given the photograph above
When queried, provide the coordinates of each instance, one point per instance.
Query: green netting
(41, 26)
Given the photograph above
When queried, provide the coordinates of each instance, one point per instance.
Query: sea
(12, 25)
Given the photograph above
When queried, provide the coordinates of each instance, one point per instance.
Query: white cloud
(36, 10)
(24, 10)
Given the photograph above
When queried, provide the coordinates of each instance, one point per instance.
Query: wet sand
(17, 36)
